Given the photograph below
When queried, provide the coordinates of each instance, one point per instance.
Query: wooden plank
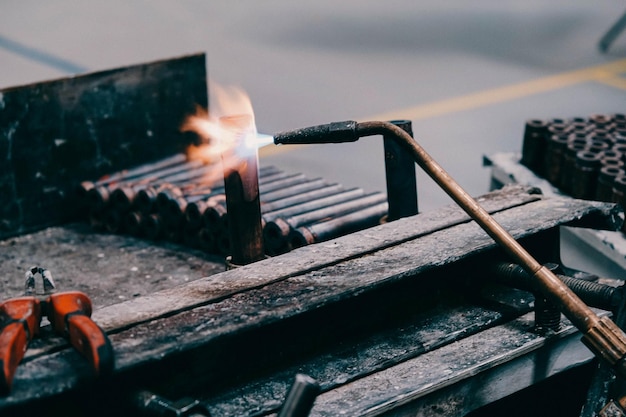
(297, 292)
(315, 289)
(414, 380)
(349, 362)
(310, 258)
(56, 133)
(356, 245)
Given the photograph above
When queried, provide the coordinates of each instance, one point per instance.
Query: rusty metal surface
(54, 134)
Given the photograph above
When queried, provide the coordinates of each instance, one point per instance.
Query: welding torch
(600, 334)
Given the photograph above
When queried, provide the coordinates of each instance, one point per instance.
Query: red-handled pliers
(69, 314)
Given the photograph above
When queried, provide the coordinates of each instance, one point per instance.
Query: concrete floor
(468, 74)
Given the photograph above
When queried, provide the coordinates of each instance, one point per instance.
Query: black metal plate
(56, 133)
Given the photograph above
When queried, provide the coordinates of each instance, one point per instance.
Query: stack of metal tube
(173, 199)
(582, 157)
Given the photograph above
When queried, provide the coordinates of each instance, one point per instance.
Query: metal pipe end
(301, 236)
(277, 230)
(300, 397)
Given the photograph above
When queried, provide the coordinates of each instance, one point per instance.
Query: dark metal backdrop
(55, 133)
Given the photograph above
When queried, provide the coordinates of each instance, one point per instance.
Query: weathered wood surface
(110, 268)
(56, 133)
(348, 362)
(298, 262)
(271, 291)
(219, 286)
(378, 241)
(415, 379)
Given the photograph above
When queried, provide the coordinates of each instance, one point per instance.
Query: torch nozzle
(336, 132)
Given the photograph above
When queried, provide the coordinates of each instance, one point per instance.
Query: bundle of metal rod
(168, 201)
(171, 200)
(160, 194)
(327, 196)
(156, 193)
(213, 214)
(205, 217)
(119, 199)
(277, 231)
(582, 157)
(173, 203)
(85, 186)
(98, 196)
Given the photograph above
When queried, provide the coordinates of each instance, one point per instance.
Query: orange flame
(228, 132)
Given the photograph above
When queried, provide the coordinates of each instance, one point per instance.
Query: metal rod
(276, 232)
(191, 236)
(300, 397)
(592, 293)
(302, 196)
(400, 176)
(214, 209)
(601, 335)
(132, 223)
(330, 229)
(297, 189)
(113, 221)
(207, 241)
(241, 184)
(280, 183)
(534, 145)
(151, 226)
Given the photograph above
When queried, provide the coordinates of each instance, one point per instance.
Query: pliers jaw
(69, 313)
(19, 322)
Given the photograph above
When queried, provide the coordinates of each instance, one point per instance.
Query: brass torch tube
(550, 285)
(601, 335)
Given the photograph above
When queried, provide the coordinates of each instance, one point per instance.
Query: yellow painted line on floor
(605, 73)
(614, 81)
(506, 93)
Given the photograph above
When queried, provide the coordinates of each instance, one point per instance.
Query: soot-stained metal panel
(55, 133)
